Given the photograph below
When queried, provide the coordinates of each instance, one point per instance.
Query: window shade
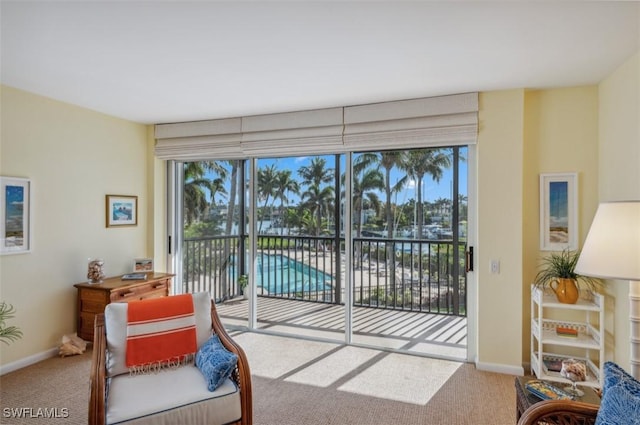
(444, 120)
(190, 141)
(306, 132)
(425, 122)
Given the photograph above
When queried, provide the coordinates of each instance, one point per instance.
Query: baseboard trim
(28, 361)
(500, 368)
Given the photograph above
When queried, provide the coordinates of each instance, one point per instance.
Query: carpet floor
(300, 382)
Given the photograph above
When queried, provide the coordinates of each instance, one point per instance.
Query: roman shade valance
(193, 141)
(425, 122)
(445, 120)
(299, 133)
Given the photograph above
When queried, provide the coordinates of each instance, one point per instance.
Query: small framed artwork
(122, 210)
(143, 265)
(15, 215)
(558, 211)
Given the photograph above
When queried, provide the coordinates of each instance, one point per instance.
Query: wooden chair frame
(560, 412)
(98, 379)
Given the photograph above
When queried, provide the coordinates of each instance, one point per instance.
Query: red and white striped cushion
(160, 332)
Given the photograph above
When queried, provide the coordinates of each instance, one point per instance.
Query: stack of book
(568, 332)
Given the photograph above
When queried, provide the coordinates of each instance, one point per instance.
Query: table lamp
(612, 251)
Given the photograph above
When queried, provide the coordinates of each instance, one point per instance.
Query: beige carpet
(302, 382)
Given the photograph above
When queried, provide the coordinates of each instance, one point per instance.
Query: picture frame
(15, 215)
(142, 265)
(121, 210)
(558, 211)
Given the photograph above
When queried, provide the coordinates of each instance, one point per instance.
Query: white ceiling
(169, 61)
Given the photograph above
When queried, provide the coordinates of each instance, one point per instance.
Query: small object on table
(574, 371)
(546, 391)
(526, 399)
(95, 272)
(134, 276)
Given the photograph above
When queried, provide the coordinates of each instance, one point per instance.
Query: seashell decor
(95, 273)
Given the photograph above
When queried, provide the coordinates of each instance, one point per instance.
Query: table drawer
(93, 295)
(161, 285)
(92, 306)
(139, 292)
(154, 294)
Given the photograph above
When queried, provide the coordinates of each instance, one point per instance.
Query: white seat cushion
(160, 398)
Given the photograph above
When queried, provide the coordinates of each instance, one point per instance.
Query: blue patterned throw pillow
(620, 403)
(215, 362)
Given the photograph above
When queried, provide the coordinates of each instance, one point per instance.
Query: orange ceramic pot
(566, 290)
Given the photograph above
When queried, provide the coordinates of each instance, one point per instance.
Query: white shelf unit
(547, 345)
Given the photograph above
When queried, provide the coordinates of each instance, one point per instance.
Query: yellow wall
(561, 136)
(500, 148)
(619, 170)
(74, 157)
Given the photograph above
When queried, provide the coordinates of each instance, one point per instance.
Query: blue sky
(431, 190)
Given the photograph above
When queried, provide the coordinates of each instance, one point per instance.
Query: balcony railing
(397, 274)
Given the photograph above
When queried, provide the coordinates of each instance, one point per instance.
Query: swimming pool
(278, 275)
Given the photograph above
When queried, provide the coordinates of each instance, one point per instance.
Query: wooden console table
(94, 297)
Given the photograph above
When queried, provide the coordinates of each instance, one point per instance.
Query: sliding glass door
(394, 276)
(409, 241)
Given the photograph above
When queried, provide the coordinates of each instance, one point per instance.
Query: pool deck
(427, 334)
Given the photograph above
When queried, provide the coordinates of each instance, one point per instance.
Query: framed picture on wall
(15, 215)
(143, 265)
(121, 210)
(558, 211)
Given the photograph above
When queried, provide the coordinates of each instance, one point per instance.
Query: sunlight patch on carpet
(274, 356)
(328, 370)
(404, 378)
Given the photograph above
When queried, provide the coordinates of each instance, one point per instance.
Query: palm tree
(267, 185)
(317, 199)
(389, 160)
(233, 193)
(231, 208)
(419, 162)
(365, 182)
(285, 184)
(197, 184)
(316, 196)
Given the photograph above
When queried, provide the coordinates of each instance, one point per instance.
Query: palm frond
(8, 333)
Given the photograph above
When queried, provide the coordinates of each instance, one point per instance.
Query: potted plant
(243, 281)
(8, 333)
(558, 272)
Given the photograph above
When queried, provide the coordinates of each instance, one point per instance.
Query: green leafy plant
(243, 281)
(562, 265)
(8, 333)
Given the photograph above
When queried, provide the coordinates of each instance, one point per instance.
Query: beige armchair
(174, 396)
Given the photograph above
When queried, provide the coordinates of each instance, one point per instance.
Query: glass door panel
(409, 227)
(299, 275)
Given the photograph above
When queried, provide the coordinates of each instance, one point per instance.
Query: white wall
(74, 157)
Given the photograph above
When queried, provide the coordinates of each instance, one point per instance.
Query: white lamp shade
(612, 247)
